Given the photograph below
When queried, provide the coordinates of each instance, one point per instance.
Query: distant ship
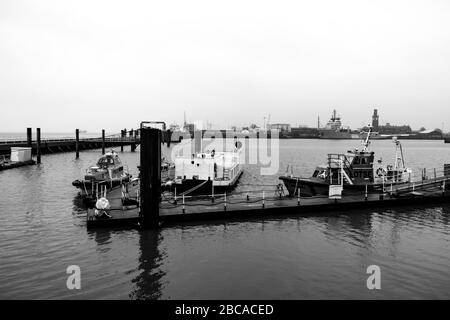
(83, 131)
(334, 129)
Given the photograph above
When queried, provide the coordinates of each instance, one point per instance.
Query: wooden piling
(29, 138)
(169, 137)
(122, 135)
(103, 141)
(77, 143)
(38, 145)
(150, 168)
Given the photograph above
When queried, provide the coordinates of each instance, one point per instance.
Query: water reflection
(79, 205)
(446, 215)
(148, 282)
(102, 237)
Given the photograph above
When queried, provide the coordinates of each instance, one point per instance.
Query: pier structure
(141, 204)
(76, 144)
(250, 204)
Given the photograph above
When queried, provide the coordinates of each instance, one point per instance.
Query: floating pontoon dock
(151, 208)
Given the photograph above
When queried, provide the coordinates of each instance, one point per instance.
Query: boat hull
(206, 187)
(311, 188)
(88, 188)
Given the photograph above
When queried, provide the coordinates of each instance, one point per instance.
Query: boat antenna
(398, 159)
(367, 141)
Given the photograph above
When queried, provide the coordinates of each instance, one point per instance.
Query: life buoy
(381, 172)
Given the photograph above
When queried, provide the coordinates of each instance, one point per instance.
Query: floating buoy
(102, 204)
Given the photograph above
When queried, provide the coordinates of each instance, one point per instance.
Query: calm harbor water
(43, 230)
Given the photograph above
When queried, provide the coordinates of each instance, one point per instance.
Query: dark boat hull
(310, 188)
(205, 189)
(11, 165)
(88, 188)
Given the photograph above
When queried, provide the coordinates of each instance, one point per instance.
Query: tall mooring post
(150, 177)
(77, 143)
(103, 141)
(169, 137)
(38, 145)
(123, 134)
(133, 135)
(29, 138)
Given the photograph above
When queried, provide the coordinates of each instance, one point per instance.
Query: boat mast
(367, 141)
(399, 160)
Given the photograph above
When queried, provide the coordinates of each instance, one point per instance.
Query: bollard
(212, 191)
(175, 196)
(38, 145)
(298, 196)
(366, 195)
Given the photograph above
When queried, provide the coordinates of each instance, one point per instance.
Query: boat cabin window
(320, 173)
(361, 160)
(105, 161)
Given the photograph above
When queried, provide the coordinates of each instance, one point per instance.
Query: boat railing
(273, 193)
(407, 180)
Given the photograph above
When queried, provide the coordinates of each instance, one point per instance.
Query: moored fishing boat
(355, 170)
(107, 172)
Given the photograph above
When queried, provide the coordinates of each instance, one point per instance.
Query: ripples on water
(43, 230)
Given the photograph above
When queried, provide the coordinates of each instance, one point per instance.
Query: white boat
(206, 173)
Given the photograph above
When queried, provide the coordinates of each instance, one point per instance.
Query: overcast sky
(110, 64)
